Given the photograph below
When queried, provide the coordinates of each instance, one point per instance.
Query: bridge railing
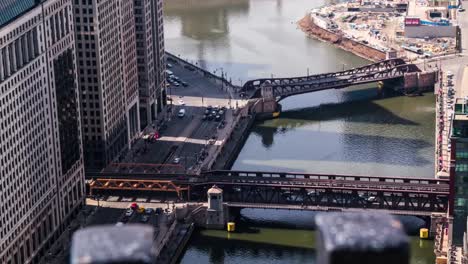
(322, 176)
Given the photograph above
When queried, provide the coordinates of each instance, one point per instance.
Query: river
(352, 131)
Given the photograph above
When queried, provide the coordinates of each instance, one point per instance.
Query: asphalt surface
(184, 138)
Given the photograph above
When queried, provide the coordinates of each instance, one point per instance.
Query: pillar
(2, 75)
(7, 60)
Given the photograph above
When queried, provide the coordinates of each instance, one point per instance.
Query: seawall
(311, 29)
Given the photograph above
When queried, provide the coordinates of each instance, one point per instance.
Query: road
(184, 137)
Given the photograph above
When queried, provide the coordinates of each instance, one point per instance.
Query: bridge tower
(215, 211)
(267, 106)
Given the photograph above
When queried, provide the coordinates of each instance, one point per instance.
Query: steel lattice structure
(412, 196)
(380, 71)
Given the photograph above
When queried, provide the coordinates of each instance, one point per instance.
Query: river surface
(352, 131)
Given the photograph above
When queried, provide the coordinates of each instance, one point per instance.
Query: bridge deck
(324, 208)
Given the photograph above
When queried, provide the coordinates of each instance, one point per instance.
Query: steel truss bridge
(380, 71)
(248, 189)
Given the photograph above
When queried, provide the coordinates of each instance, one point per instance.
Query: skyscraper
(105, 37)
(150, 58)
(41, 162)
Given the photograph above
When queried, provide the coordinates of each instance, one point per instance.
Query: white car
(176, 161)
(129, 212)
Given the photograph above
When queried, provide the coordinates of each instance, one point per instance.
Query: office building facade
(41, 162)
(107, 76)
(150, 59)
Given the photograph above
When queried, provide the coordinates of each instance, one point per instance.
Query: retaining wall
(360, 49)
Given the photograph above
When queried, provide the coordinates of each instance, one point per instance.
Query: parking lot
(187, 136)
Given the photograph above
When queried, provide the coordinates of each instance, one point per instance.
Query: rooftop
(11, 9)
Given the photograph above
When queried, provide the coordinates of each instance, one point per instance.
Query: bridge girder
(283, 87)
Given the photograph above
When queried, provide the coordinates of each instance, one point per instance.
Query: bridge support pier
(215, 218)
(418, 82)
(267, 107)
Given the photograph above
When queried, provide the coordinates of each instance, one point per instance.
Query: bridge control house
(459, 167)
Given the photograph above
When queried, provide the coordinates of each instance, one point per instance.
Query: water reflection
(205, 20)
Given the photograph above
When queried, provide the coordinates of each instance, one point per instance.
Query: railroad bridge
(405, 77)
(249, 189)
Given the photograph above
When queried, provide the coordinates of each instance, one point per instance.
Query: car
(371, 199)
(129, 212)
(217, 118)
(449, 74)
(181, 102)
(204, 117)
(176, 160)
(221, 112)
(181, 113)
(119, 224)
(158, 210)
(209, 117)
(169, 65)
(216, 108)
(149, 210)
(176, 84)
(185, 84)
(215, 113)
(209, 108)
(144, 218)
(207, 112)
(176, 78)
(461, 9)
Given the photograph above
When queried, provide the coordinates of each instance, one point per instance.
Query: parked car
(207, 112)
(176, 84)
(158, 210)
(204, 117)
(169, 65)
(218, 118)
(181, 113)
(149, 210)
(185, 84)
(176, 160)
(144, 218)
(129, 212)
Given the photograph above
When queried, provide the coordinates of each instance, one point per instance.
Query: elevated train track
(411, 195)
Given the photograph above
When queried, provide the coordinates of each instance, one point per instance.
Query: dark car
(210, 117)
(204, 117)
(184, 84)
(215, 113)
(218, 118)
(209, 108)
(207, 112)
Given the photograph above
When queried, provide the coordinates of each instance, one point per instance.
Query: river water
(352, 131)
